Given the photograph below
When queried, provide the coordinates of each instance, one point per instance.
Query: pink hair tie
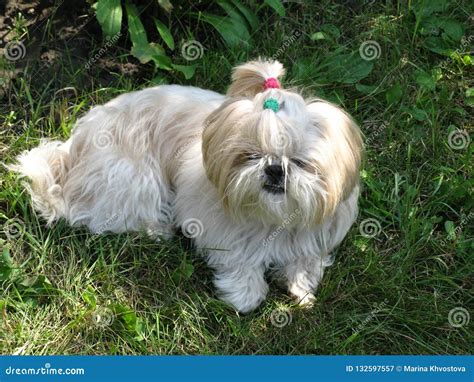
(271, 83)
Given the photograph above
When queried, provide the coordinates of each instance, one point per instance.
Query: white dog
(259, 177)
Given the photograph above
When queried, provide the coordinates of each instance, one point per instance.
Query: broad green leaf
(237, 18)
(345, 68)
(109, 15)
(38, 282)
(129, 317)
(141, 48)
(89, 297)
(135, 26)
(318, 36)
(449, 227)
(33, 289)
(418, 114)
(331, 30)
(429, 26)
(438, 45)
(139, 330)
(165, 33)
(238, 21)
(365, 89)
(452, 28)
(162, 61)
(6, 259)
(434, 25)
(231, 33)
(394, 94)
(302, 70)
(424, 8)
(188, 270)
(145, 53)
(467, 60)
(425, 80)
(159, 80)
(6, 265)
(277, 6)
(183, 272)
(252, 19)
(187, 70)
(130, 321)
(327, 32)
(470, 96)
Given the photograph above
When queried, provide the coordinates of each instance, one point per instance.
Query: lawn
(403, 279)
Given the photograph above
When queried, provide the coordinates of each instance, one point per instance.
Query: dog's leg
(303, 276)
(243, 287)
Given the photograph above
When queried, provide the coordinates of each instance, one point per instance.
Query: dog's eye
(299, 162)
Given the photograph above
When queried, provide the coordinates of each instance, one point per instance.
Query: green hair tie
(271, 103)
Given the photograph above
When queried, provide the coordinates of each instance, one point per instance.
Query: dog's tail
(254, 76)
(46, 166)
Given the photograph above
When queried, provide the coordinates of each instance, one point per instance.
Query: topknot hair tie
(271, 83)
(271, 103)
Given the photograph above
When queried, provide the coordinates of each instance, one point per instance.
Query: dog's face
(294, 165)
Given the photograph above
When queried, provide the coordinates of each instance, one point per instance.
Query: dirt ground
(51, 32)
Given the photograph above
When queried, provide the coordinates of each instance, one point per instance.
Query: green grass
(63, 290)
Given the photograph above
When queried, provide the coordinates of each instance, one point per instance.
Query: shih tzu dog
(260, 178)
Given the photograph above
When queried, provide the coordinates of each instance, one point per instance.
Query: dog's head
(275, 156)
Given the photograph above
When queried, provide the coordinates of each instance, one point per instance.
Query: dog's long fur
(168, 156)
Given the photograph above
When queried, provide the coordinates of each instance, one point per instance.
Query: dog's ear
(254, 77)
(343, 149)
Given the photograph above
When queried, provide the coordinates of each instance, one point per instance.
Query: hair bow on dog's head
(271, 83)
(271, 103)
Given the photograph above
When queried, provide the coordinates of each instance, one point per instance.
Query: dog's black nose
(274, 174)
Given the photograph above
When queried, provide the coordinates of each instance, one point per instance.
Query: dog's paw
(306, 301)
(160, 233)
